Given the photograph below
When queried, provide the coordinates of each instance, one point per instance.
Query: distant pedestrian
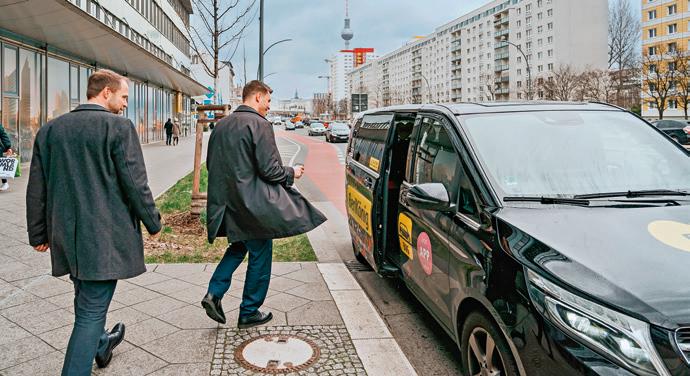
(176, 132)
(86, 197)
(168, 132)
(5, 149)
(251, 202)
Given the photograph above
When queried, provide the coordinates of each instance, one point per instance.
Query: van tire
(483, 330)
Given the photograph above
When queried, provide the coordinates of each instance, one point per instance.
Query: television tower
(347, 34)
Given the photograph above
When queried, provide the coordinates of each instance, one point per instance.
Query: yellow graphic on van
(672, 233)
(359, 208)
(405, 235)
(374, 163)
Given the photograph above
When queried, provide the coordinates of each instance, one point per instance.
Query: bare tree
(682, 87)
(659, 76)
(624, 37)
(597, 85)
(223, 23)
(561, 85)
(488, 84)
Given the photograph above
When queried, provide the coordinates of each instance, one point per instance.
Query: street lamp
(260, 70)
(529, 71)
(269, 75)
(428, 87)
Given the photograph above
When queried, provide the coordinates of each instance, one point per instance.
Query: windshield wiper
(547, 200)
(633, 194)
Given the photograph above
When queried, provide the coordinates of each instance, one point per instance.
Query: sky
(315, 25)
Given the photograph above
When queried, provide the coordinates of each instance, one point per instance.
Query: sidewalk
(323, 322)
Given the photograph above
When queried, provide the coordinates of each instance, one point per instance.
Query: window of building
(58, 88)
(672, 9)
(652, 32)
(671, 66)
(539, 55)
(10, 74)
(549, 40)
(549, 53)
(651, 50)
(528, 20)
(540, 29)
(550, 67)
(540, 68)
(672, 28)
(651, 14)
(672, 47)
(549, 12)
(672, 103)
(549, 26)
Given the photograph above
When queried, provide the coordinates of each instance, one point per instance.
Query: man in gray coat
(250, 201)
(86, 196)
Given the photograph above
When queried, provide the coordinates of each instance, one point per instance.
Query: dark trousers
(168, 138)
(176, 140)
(89, 337)
(258, 273)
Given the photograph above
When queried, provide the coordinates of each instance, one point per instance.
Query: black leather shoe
(114, 338)
(213, 308)
(255, 319)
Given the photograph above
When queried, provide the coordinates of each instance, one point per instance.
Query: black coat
(168, 127)
(249, 190)
(5, 141)
(87, 194)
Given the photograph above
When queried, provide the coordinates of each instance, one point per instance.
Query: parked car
(559, 248)
(677, 130)
(317, 129)
(299, 124)
(289, 126)
(338, 132)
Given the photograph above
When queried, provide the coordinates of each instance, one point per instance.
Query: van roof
(466, 108)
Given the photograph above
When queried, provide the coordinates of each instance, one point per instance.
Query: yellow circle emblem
(671, 233)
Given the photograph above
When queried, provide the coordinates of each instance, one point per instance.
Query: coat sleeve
(131, 173)
(268, 161)
(36, 196)
(4, 139)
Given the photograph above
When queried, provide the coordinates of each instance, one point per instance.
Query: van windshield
(550, 153)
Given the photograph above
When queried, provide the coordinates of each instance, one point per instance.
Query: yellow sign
(673, 234)
(374, 163)
(405, 235)
(359, 208)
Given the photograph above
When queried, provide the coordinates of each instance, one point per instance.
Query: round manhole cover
(277, 354)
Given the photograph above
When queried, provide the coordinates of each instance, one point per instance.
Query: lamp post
(328, 91)
(260, 71)
(428, 88)
(529, 71)
(260, 74)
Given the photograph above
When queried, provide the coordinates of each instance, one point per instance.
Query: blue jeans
(91, 301)
(258, 273)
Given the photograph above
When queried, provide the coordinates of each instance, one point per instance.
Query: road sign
(360, 102)
(210, 93)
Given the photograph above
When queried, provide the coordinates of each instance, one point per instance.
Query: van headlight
(627, 341)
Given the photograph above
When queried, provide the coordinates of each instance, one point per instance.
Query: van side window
(369, 140)
(436, 161)
(355, 128)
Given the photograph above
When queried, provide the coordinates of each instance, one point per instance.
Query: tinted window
(575, 152)
(436, 161)
(369, 140)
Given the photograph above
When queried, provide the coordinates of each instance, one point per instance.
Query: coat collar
(245, 108)
(90, 107)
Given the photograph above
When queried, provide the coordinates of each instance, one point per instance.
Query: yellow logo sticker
(374, 163)
(359, 208)
(673, 234)
(405, 235)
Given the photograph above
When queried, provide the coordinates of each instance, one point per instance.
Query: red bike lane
(323, 168)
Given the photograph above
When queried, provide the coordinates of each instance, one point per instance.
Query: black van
(545, 238)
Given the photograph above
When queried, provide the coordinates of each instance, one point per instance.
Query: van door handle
(369, 182)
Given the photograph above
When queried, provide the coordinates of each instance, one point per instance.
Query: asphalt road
(430, 350)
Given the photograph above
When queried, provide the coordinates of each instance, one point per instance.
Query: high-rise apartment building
(665, 28)
(341, 64)
(48, 49)
(485, 54)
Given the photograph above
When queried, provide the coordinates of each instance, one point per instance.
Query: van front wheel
(484, 349)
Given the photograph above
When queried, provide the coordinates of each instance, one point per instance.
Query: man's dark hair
(254, 87)
(101, 79)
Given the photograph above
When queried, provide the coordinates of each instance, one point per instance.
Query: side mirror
(430, 196)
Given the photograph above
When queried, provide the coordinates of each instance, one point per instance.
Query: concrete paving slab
(129, 316)
(198, 346)
(159, 306)
(282, 268)
(22, 350)
(189, 317)
(148, 278)
(315, 313)
(312, 291)
(179, 270)
(135, 296)
(337, 277)
(11, 332)
(359, 315)
(192, 369)
(282, 284)
(192, 295)
(383, 357)
(284, 302)
(169, 286)
(46, 365)
(148, 330)
(133, 362)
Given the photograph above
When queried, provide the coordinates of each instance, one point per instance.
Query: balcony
(501, 33)
(456, 85)
(501, 68)
(503, 90)
(501, 56)
(500, 21)
(500, 45)
(501, 79)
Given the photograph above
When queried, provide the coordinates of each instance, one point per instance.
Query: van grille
(683, 342)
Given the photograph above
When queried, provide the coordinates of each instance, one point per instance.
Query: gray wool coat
(250, 194)
(87, 194)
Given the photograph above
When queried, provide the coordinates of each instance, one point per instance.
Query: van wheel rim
(483, 356)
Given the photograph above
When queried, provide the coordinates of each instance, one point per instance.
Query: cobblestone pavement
(337, 355)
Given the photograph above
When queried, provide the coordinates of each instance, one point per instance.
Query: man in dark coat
(250, 201)
(86, 196)
(5, 148)
(168, 132)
